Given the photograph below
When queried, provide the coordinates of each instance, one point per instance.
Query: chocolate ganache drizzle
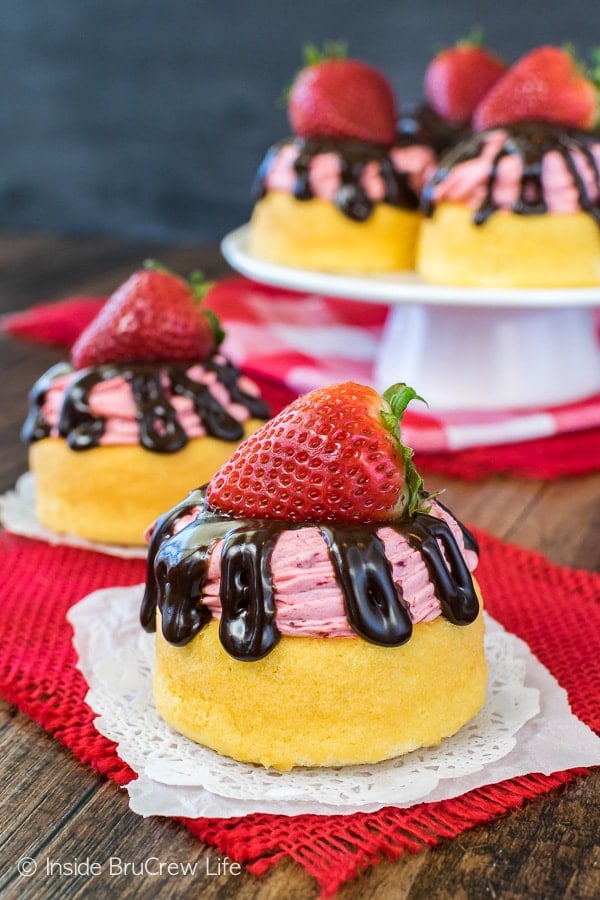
(425, 126)
(531, 142)
(350, 197)
(177, 571)
(159, 428)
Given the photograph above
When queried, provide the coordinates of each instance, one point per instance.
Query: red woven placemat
(38, 674)
(547, 459)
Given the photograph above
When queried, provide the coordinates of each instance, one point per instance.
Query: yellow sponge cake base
(314, 234)
(508, 250)
(323, 701)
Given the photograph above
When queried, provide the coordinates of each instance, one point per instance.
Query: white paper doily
(525, 726)
(17, 513)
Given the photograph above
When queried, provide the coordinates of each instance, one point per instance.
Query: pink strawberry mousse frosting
(468, 181)
(113, 401)
(325, 174)
(308, 598)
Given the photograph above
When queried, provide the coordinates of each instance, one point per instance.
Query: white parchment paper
(526, 726)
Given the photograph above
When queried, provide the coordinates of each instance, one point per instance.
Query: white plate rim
(394, 288)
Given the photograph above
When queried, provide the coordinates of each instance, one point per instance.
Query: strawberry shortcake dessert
(147, 408)
(517, 204)
(341, 194)
(313, 605)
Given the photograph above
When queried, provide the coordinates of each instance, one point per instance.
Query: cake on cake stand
(463, 348)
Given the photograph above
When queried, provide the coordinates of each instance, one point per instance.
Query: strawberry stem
(594, 72)
(473, 39)
(398, 396)
(590, 72)
(312, 56)
(331, 50)
(199, 284)
(156, 266)
(215, 324)
(200, 287)
(595, 57)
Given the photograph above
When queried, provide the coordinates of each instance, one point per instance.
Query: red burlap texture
(548, 458)
(556, 610)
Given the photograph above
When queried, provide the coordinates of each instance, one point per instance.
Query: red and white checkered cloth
(295, 342)
(306, 341)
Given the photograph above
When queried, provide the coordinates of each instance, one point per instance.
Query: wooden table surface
(54, 809)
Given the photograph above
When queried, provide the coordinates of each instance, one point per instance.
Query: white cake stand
(463, 348)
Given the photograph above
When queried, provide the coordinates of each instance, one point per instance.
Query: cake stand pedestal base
(490, 358)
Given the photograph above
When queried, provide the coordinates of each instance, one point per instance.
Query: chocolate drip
(176, 572)
(586, 202)
(531, 142)
(159, 428)
(247, 629)
(35, 427)
(302, 189)
(373, 607)
(76, 422)
(354, 156)
(258, 186)
(469, 539)
(447, 570)
(213, 416)
(178, 568)
(398, 191)
(351, 198)
(425, 126)
(229, 376)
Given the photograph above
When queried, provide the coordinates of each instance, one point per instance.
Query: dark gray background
(148, 119)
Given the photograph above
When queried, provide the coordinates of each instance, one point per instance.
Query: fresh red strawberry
(459, 77)
(546, 84)
(342, 98)
(333, 455)
(153, 317)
